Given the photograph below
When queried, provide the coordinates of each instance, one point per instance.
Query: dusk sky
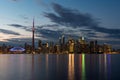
(93, 19)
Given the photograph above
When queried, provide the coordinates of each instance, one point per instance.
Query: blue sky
(99, 20)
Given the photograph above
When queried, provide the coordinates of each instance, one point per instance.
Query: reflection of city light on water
(46, 61)
(105, 66)
(83, 67)
(109, 66)
(47, 66)
(32, 72)
(71, 67)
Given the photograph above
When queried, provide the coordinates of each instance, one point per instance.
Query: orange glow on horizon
(6, 37)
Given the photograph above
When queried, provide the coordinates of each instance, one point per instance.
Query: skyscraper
(60, 41)
(63, 39)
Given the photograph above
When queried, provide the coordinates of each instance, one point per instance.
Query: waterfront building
(39, 46)
(107, 48)
(0, 49)
(71, 46)
(92, 47)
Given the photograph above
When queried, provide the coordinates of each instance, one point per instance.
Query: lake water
(59, 67)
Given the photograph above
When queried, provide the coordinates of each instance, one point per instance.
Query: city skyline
(95, 20)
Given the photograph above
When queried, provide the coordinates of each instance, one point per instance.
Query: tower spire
(33, 30)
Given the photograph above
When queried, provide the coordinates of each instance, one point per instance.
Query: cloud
(69, 17)
(76, 19)
(19, 26)
(49, 34)
(53, 27)
(106, 30)
(16, 25)
(8, 32)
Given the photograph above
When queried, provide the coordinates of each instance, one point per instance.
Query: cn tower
(33, 40)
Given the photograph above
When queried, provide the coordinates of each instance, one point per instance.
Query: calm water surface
(59, 67)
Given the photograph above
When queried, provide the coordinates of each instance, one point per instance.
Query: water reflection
(57, 67)
(71, 67)
(47, 65)
(15, 67)
(108, 66)
(105, 67)
(32, 69)
(83, 66)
